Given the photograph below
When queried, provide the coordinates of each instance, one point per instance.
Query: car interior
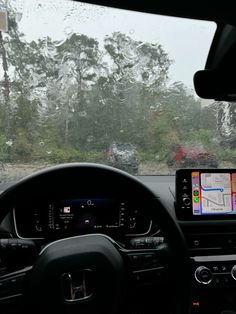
(85, 237)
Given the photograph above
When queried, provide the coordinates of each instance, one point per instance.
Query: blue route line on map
(212, 189)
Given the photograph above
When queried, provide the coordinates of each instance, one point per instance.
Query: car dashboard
(211, 240)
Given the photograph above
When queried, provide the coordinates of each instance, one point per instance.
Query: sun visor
(215, 84)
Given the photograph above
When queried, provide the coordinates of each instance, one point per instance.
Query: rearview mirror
(215, 84)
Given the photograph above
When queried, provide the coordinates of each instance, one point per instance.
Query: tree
(24, 61)
(78, 65)
(138, 73)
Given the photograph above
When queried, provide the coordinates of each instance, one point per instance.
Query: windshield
(87, 83)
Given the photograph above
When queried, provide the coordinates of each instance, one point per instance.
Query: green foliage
(4, 149)
(57, 155)
(202, 136)
(150, 157)
(21, 149)
(226, 155)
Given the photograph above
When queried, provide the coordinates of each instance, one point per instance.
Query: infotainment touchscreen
(213, 193)
(206, 193)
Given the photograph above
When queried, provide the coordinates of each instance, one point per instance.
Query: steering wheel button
(4, 244)
(142, 261)
(135, 261)
(3, 271)
(13, 244)
(156, 263)
(148, 240)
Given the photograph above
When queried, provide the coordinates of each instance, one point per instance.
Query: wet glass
(81, 82)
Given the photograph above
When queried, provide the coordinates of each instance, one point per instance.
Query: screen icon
(196, 199)
(66, 210)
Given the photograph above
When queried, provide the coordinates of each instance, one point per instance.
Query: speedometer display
(80, 215)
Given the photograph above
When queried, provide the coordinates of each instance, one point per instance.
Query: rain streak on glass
(90, 83)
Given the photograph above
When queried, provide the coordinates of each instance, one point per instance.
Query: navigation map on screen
(213, 193)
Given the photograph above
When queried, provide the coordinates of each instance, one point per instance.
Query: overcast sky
(187, 42)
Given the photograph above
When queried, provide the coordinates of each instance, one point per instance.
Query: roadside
(14, 172)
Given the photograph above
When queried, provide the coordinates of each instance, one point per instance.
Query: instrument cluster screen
(78, 216)
(85, 214)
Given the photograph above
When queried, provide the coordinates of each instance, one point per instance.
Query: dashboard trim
(140, 234)
(16, 231)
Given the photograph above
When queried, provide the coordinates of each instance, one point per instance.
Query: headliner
(220, 12)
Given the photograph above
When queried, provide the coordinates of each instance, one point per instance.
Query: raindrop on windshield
(18, 16)
(9, 143)
(90, 138)
(82, 113)
(68, 30)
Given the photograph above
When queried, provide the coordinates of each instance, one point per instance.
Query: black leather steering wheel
(102, 267)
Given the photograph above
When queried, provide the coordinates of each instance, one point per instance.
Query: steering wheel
(93, 273)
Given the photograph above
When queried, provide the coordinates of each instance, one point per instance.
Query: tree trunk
(6, 84)
(66, 124)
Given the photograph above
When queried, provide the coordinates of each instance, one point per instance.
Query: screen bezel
(187, 213)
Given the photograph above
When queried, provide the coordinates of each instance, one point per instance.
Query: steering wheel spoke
(12, 289)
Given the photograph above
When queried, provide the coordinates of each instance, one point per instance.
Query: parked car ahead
(124, 156)
(191, 156)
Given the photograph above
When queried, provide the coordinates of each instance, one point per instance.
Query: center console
(206, 211)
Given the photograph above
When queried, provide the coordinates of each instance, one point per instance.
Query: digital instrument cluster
(78, 216)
